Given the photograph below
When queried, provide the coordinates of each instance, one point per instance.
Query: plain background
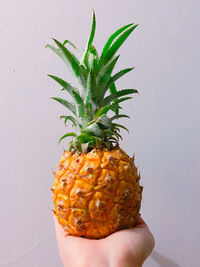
(164, 126)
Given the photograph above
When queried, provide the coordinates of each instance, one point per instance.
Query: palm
(130, 246)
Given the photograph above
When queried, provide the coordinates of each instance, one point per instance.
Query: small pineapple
(96, 190)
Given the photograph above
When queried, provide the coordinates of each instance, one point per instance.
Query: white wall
(164, 129)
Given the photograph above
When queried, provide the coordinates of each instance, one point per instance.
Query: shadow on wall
(162, 260)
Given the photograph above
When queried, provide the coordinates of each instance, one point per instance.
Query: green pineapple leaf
(72, 119)
(72, 63)
(55, 50)
(121, 126)
(113, 90)
(66, 86)
(80, 107)
(91, 89)
(90, 40)
(110, 41)
(89, 110)
(117, 76)
(95, 141)
(102, 111)
(117, 135)
(65, 103)
(94, 51)
(118, 43)
(108, 133)
(104, 76)
(66, 135)
(104, 121)
(84, 147)
(116, 117)
(92, 59)
(117, 101)
(93, 129)
(83, 137)
(116, 95)
(72, 45)
(113, 139)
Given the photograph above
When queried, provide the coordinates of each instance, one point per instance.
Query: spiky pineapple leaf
(118, 43)
(55, 50)
(83, 137)
(65, 103)
(104, 75)
(113, 90)
(104, 121)
(110, 41)
(91, 88)
(117, 76)
(117, 101)
(80, 107)
(117, 135)
(94, 51)
(72, 63)
(92, 59)
(116, 117)
(93, 129)
(116, 95)
(113, 140)
(66, 86)
(72, 45)
(102, 111)
(121, 126)
(84, 147)
(108, 133)
(66, 135)
(105, 109)
(97, 139)
(89, 110)
(72, 119)
(90, 40)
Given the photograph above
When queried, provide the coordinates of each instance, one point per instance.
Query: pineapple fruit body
(96, 193)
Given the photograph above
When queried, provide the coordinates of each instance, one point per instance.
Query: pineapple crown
(91, 101)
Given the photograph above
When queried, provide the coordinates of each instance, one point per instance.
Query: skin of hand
(125, 248)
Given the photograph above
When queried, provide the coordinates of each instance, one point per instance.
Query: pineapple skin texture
(97, 193)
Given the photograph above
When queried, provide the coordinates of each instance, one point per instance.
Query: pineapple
(96, 190)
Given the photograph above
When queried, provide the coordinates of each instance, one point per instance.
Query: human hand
(125, 248)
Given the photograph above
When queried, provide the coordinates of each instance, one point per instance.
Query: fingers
(139, 241)
(68, 246)
(59, 230)
(140, 221)
(143, 228)
(144, 237)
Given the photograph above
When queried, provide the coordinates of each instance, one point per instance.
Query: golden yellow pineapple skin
(97, 193)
